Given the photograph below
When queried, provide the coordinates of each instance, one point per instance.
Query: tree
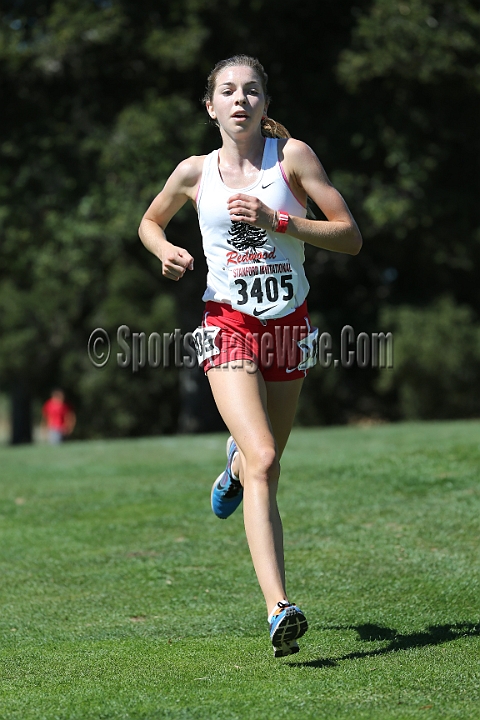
(87, 144)
(101, 100)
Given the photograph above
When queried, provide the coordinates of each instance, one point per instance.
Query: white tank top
(257, 271)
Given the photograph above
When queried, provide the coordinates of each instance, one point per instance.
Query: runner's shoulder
(297, 151)
(301, 161)
(187, 174)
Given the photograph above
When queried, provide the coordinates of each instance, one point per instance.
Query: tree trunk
(21, 415)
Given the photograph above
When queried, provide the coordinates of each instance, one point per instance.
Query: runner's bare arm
(180, 187)
(307, 177)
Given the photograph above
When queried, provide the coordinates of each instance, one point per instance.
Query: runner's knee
(262, 464)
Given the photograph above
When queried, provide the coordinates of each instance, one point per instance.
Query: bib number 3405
(262, 289)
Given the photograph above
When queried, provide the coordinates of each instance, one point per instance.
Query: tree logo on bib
(246, 237)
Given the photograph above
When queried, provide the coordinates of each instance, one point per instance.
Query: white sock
(231, 467)
(270, 617)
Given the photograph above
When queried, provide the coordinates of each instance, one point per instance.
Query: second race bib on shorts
(309, 348)
(204, 340)
(264, 290)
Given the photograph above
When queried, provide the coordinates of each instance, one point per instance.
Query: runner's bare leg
(244, 400)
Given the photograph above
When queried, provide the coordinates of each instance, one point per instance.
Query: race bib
(204, 339)
(264, 290)
(309, 348)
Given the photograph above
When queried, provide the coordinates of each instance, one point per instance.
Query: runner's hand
(250, 210)
(176, 261)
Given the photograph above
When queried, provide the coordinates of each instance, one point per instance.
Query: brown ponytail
(272, 129)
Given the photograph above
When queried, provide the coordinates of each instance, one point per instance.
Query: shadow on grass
(433, 635)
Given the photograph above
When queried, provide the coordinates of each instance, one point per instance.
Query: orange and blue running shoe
(287, 624)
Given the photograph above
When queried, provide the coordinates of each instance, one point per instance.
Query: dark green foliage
(101, 101)
(437, 360)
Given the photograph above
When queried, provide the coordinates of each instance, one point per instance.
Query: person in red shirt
(58, 416)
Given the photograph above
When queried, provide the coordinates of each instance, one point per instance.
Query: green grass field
(124, 597)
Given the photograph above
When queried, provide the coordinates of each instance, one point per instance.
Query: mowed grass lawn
(124, 597)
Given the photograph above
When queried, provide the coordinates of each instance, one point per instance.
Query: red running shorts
(282, 349)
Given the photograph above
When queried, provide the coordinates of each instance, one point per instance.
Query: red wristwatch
(282, 223)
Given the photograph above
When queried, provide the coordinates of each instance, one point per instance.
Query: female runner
(256, 342)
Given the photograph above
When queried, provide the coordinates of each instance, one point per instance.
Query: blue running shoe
(227, 491)
(288, 623)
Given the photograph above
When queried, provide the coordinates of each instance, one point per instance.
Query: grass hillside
(123, 597)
